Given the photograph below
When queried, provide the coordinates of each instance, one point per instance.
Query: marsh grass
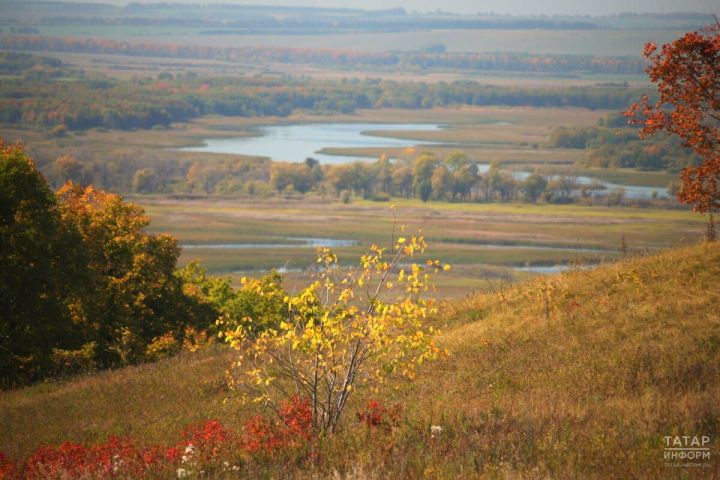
(459, 233)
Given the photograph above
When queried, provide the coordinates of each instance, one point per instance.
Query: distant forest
(45, 93)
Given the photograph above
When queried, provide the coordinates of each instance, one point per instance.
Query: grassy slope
(628, 353)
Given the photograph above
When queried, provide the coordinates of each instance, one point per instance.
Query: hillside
(575, 375)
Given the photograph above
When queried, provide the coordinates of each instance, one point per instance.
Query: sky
(512, 7)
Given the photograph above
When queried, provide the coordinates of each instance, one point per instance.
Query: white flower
(182, 473)
(189, 449)
(435, 430)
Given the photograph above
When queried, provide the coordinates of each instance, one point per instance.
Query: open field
(627, 356)
(123, 66)
(482, 241)
(611, 42)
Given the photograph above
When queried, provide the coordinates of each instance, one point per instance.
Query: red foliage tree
(687, 73)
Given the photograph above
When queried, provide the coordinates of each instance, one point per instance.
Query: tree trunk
(710, 235)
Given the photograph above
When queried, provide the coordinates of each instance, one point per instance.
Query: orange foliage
(687, 73)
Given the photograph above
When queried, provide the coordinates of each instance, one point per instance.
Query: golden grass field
(484, 242)
(585, 386)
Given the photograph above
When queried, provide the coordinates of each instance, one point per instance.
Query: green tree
(533, 187)
(423, 169)
(41, 268)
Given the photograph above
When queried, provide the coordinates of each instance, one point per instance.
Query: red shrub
(295, 427)
(7, 468)
(260, 434)
(117, 455)
(201, 445)
(67, 460)
(205, 439)
(172, 454)
(297, 418)
(209, 433)
(376, 415)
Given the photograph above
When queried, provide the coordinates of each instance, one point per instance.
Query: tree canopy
(688, 81)
(81, 277)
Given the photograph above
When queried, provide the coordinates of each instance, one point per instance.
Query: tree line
(614, 144)
(37, 97)
(492, 61)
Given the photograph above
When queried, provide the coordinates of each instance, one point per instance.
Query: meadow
(587, 387)
(485, 243)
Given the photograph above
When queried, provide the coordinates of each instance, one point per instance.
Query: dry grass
(585, 388)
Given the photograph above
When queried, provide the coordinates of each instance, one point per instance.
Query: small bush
(74, 361)
(346, 196)
(162, 347)
(59, 131)
(377, 415)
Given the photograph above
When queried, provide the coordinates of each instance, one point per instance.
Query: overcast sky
(514, 7)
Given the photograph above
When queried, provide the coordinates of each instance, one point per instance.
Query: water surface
(295, 143)
(284, 242)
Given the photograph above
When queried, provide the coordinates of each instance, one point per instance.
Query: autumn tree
(441, 183)
(40, 268)
(533, 187)
(81, 277)
(687, 74)
(134, 295)
(346, 331)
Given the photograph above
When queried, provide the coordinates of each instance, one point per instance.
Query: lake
(295, 143)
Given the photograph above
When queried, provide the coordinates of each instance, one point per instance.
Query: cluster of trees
(86, 102)
(158, 171)
(614, 144)
(17, 63)
(425, 176)
(504, 61)
(456, 177)
(84, 286)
